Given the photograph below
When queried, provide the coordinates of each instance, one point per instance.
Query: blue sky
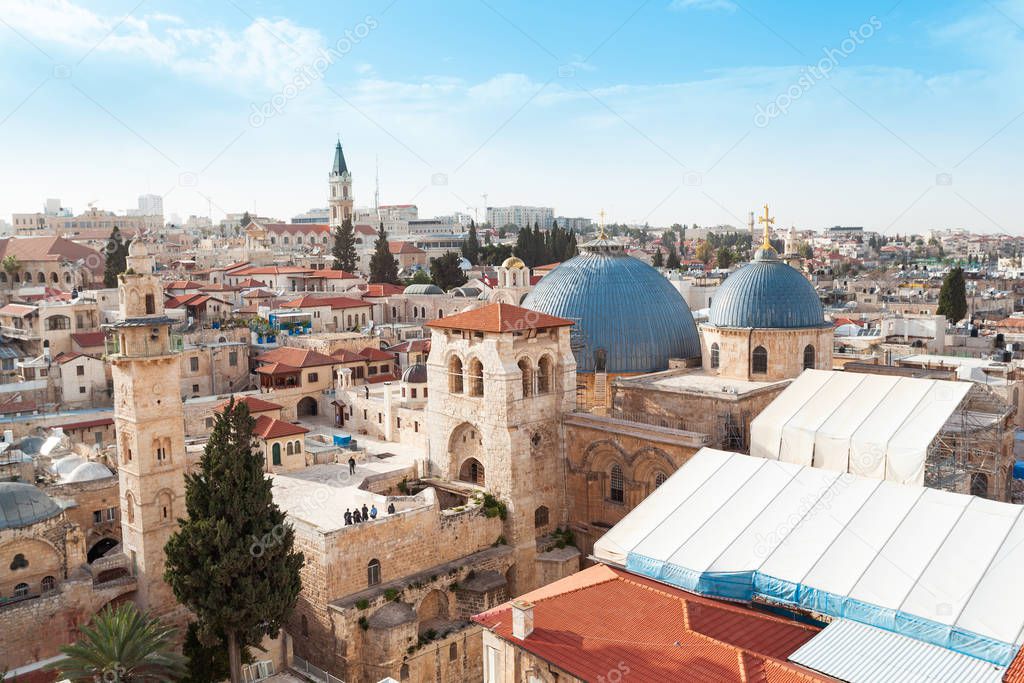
(659, 111)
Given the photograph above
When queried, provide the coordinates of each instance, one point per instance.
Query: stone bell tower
(500, 378)
(340, 181)
(150, 427)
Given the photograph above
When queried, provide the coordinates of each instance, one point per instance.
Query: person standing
(391, 508)
(373, 512)
(366, 513)
(351, 464)
(348, 517)
(355, 517)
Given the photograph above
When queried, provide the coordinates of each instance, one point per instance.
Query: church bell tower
(340, 182)
(150, 427)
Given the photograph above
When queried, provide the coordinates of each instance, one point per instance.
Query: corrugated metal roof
(855, 652)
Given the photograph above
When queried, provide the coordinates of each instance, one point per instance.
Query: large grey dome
(625, 311)
(766, 293)
(23, 505)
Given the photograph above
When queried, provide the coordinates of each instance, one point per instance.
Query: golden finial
(602, 236)
(767, 220)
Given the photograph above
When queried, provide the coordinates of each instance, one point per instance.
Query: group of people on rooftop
(364, 514)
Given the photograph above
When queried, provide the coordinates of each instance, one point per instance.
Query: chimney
(522, 619)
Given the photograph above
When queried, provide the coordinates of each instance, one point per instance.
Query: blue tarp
(342, 440)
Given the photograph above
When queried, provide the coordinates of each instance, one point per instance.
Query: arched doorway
(472, 471)
(306, 407)
(101, 548)
(433, 611)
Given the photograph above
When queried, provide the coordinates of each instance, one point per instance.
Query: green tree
(11, 265)
(207, 663)
(724, 257)
(445, 271)
(668, 238)
(383, 265)
(117, 254)
(121, 644)
(704, 251)
(421, 277)
(471, 245)
(344, 251)
(658, 260)
(672, 260)
(246, 220)
(231, 562)
(953, 296)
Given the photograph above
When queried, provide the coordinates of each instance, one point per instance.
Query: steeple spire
(339, 167)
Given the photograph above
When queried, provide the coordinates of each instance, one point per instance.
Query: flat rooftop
(696, 381)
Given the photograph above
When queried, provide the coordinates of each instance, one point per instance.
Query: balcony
(26, 334)
(138, 348)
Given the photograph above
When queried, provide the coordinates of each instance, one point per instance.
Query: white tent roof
(931, 565)
(874, 426)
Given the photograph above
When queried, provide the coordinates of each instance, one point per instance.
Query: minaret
(340, 182)
(150, 427)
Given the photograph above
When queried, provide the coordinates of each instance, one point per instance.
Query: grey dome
(623, 308)
(23, 505)
(415, 374)
(468, 292)
(766, 293)
(423, 289)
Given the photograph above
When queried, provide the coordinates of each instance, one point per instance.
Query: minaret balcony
(144, 347)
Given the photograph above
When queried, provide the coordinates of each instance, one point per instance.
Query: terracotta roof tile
(87, 424)
(268, 427)
(371, 353)
(404, 248)
(88, 340)
(499, 318)
(295, 357)
(383, 289)
(50, 248)
(335, 302)
(602, 619)
(256, 405)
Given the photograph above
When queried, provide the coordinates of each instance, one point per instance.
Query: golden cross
(602, 235)
(767, 220)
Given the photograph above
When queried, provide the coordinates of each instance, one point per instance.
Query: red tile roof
(256, 405)
(249, 282)
(346, 356)
(404, 248)
(332, 274)
(184, 284)
(383, 289)
(86, 424)
(17, 310)
(295, 357)
(411, 345)
(365, 229)
(271, 270)
(604, 619)
(371, 353)
(1011, 322)
(277, 369)
(499, 318)
(87, 340)
(377, 379)
(335, 302)
(267, 427)
(51, 248)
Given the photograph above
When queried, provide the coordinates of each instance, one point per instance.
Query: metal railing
(18, 332)
(147, 346)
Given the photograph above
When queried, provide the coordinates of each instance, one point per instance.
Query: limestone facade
(788, 352)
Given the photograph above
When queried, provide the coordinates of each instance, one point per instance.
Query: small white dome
(88, 471)
(137, 248)
(66, 465)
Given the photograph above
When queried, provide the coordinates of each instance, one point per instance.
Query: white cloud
(363, 69)
(266, 52)
(706, 5)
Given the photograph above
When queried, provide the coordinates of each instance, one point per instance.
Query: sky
(899, 116)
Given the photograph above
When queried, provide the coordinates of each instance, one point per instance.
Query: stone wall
(785, 349)
(98, 495)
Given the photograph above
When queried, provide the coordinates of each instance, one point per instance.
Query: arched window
(455, 375)
(41, 277)
(48, 584)
(150, 304)
(476, 377)
(373, 573)
(979, 484)
(54, 278)
(714, 355)
(616, 490)
(290, 449)
(540, 517)
(67, 278)
(298, 447)
(453, 652)
(129, 504)
(544, 375)
(659, 479)
(275, 454)
(403, 673)
(527, 372)
(809, 360)
(21, 590)
(759, 361)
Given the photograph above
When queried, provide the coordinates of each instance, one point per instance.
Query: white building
(520, 216)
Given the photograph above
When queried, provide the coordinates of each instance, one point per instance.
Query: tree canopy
(231, 562)
(344, 251)
(538, 247)
(445, 271)
(117, 258)
(471, 245)
(953, 296)
(383, 265)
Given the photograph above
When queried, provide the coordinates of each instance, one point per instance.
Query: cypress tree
(672, 262)
(522, 248)
(246, 220)
(231, 562)
(116, 263)
(571, 248)
(659, 259)
(383, 266)
(344, 251)
(953, 296)
(445, 271)
(471, 245)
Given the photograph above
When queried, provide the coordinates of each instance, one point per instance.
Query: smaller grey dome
(23, 504)
(423, 289)
(391, 615)
(66, 465)
(467, 292)
(415, 374)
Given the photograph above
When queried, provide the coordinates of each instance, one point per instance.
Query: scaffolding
(972, 453)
